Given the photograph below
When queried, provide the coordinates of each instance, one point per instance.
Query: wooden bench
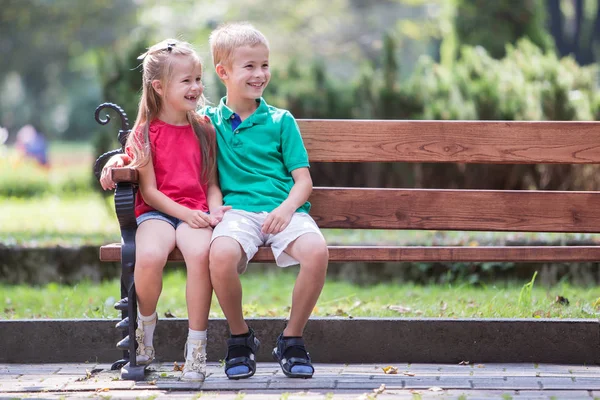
(483, 142)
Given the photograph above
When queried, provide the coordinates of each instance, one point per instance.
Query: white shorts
(245, 227)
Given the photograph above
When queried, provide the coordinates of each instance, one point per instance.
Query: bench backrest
(501, 142)
(483, 142)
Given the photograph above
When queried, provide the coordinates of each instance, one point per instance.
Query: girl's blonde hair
(157, 65)
(228, 37)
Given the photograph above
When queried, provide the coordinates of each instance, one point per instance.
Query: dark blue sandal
(245, 366)
(293, 367)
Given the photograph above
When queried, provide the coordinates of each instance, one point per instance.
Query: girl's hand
(277, 220)
(217, 215)
(197, 219)
(117, 161)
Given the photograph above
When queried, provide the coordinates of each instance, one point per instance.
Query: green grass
(269, 295)
(52, 220)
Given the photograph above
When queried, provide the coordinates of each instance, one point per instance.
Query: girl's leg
(155, 239)
(194, 245)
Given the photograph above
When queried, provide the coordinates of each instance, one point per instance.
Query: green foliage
(23, 178)
(493, 24)
(50, 44)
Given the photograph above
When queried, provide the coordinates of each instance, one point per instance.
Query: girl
(174, 151)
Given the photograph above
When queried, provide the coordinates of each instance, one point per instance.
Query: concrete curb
(329, 340)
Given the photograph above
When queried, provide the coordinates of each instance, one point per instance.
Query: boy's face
(248, 74)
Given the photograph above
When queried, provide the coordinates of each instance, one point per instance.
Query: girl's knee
(150, 258)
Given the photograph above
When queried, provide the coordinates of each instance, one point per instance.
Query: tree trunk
(557, 26)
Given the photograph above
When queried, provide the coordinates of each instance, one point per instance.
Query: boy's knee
(224, 252)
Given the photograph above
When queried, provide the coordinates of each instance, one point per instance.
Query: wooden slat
(460, 210)
(417, 253)
(471, 210)
(124, 175)
(493, 142)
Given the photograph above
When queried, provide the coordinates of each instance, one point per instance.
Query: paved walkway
(331, 381)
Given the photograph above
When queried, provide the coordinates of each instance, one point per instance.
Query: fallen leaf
(379, 390)
(168, 314)
(409, 373)
(480, 366)
(596, 303)
(390, 370)
(464, 363)
(400, 309)
(152, 382)
(177, 367)
(435, 389)
(562, 300)
(102, 389)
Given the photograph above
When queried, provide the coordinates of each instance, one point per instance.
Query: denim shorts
(175, 222)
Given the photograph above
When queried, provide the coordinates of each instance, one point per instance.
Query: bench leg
(124, 205)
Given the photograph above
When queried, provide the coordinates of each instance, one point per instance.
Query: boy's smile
(248, 74)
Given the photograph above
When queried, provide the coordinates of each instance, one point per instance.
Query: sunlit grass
(51, 220)
(269, 295)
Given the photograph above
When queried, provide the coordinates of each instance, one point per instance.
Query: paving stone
(93, 384)
(557, 394)
(20, 369)
(512, 382)
(302, 384)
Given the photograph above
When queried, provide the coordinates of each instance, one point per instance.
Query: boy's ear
(157, 86)
(221, 71)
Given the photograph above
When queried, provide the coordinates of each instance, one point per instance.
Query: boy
(263, 174)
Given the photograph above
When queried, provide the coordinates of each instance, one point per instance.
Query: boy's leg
(225, 256)
(235, 240)
(311, 251)
(155, 239)
(301, 242)
(194, 245)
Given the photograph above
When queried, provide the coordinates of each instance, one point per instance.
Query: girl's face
(183, 89)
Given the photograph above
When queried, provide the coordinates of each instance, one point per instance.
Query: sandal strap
(298, 343)
(238, 361)
(299, 361)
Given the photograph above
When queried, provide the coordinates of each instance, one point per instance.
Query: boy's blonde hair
(157, 65)
(228, 37)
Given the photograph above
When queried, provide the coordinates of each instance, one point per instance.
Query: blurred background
(367, 59)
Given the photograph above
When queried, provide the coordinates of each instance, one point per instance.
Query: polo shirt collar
(259, 116)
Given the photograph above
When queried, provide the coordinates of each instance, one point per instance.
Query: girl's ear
(221, 71)
(157, 86)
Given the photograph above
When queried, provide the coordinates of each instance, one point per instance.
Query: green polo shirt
(255, 162)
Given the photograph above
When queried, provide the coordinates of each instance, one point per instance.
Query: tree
(50, 45)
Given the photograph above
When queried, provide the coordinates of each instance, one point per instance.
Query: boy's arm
(279, 218)
(161, 202)
(116, 161)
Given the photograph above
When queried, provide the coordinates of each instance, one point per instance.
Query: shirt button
(232, 116)
(236, 131)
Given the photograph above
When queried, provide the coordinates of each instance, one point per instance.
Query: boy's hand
(197, 219)
(117, 161)
(217, 215)
(277, 220)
